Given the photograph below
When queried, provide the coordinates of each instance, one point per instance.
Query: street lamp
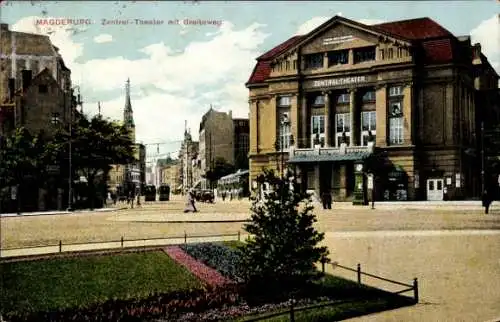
(70, 153)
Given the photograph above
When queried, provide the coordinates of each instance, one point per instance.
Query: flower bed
(218, 256)
(199, 269)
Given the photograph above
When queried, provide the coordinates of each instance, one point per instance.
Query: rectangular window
(284, 101)
(43, 88)
(295, 64)
(395, 91)
(55, 118)
(285, 131)
(344, 98)
(343, 126)
(364, 54)
(313, 61)
(369, 96)
(317, 129)
(339, 57)
(396, 130)
(382, 54)
(369, 126)
(287, 65)
(400, 52)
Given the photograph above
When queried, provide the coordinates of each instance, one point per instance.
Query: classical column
(327, 118)
(303, 118)
(295, 117)
(381, 115)
(408, 114)
(354, 118)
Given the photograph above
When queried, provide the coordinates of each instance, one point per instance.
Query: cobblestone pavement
(451, 248)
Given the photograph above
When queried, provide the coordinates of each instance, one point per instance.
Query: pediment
(340, 33)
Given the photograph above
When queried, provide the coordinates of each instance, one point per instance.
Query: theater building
(389, 109)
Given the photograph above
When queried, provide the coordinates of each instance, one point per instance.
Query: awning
(329, 157)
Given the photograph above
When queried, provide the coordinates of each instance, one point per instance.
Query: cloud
(102, 38)
(167, 86)
(487, 33)
(315, 22)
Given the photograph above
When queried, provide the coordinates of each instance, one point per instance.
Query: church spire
(128, 115)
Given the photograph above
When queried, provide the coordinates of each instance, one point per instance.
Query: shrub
(283, 249)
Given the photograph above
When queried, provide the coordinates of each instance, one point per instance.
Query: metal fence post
(415, 289)
(239, 236)
(60, 246)
(359, 273)
(122, 241)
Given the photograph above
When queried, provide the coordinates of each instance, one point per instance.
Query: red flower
(200, 270)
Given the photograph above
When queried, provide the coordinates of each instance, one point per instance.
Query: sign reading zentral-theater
(339, 81)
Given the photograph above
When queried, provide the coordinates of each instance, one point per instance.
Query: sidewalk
(113, 245)
(60, 212)
(198, 217)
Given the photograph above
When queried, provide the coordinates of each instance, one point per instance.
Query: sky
(178, 69)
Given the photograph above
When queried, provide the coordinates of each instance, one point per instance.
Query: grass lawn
(81, 281)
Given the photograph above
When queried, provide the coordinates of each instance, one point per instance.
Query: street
(451, 249)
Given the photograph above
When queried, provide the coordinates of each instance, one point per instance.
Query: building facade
(189, 162)
(35, 93)
(241, 129)
(171, 175)
(35, 84)
(398, 101)
(216, 138)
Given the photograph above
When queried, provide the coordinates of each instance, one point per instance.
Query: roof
(435, 40)
(414, 29)
(355, 156)
(281, 48)
(27, 44)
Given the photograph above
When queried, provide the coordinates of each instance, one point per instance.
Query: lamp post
(70, 160)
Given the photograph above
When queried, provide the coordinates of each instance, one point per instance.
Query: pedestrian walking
(190, 204)
(487, 199)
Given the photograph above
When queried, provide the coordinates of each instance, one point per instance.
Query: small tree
(282, 250)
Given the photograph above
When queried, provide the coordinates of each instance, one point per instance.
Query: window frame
(310, 58)
(332, 54)
(363, 53)
(321, 128)
(346, 117)
(344, 101)
(372, 126)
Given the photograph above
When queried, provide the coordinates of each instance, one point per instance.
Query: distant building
(35, 93)
(241, 143)
(35, 84)
(129, 176)
(216, 137)
(190, 163)
(171, 175)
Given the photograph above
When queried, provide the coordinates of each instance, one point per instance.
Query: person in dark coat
(486, 201)
(324, 200)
